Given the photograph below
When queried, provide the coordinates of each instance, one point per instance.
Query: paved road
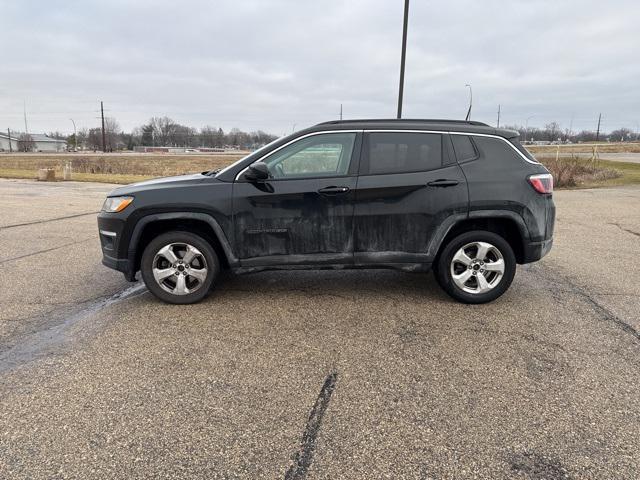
(616, 157)
(357, 374)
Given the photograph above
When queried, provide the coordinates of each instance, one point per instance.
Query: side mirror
(257, 172)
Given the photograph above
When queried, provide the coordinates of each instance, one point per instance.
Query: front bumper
(111, 232)
(534, 251)
(120, 264)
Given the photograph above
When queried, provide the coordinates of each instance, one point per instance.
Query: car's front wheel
(179, 267)
(476, 267)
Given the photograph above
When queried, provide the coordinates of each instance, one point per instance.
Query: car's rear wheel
(179, 267)
(476, 267)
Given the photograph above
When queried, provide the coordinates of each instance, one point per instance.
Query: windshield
(238, 162)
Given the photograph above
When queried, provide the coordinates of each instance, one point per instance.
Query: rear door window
(398, 152)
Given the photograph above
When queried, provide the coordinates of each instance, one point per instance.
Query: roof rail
(409, 120)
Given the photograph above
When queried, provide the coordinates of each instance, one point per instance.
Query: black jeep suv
(462, 198)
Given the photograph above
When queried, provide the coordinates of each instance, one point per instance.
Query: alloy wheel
(179, 268)
(477, 267)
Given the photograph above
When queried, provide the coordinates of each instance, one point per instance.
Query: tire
(179, 267)
(488, 282)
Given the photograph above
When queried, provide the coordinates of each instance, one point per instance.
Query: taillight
(542, 183)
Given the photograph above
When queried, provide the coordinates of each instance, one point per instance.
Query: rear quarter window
(522, 149)
(494, 148)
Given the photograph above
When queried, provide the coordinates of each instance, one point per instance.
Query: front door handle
(442, 182)
(333, 190)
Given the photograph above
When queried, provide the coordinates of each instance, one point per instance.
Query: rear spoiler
(508, 134)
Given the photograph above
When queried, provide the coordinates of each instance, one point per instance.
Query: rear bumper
(534, 251)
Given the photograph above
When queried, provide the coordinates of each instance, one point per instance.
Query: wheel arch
(205, 225)
(508, 225)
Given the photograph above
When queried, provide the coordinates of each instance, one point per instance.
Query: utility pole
(10, 147)
(403, 57)
(598, 130)
(340, 112)
(498, 124)
(104, 143)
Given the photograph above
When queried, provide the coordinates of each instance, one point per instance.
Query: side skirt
(405, 267)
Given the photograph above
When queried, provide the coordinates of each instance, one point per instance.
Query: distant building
(43, 143)
(143, 149)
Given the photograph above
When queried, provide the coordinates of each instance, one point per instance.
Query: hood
(163, 182)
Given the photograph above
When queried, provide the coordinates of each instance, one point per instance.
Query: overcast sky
(270, 64)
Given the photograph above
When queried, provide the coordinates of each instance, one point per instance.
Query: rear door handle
(442, 182)
(333, 190)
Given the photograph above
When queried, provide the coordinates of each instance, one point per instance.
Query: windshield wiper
(211, 173)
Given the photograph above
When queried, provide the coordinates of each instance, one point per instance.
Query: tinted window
(464, 148)
(522, 149)
(494, 148)
(327, 154)
(403, 152)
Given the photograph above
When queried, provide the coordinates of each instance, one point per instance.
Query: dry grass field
(113, 167)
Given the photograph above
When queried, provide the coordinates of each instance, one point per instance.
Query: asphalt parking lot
(346, 374)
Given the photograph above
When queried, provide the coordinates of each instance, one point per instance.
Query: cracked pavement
(330, 374)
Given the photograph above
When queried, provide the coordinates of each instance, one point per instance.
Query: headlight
(116, 204)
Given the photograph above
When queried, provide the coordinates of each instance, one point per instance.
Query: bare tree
(552, 131)
(164, 129)
(26, 143)
(112, 134)
(165, 132)
(83, 136)
(622, 135)
(94, 139)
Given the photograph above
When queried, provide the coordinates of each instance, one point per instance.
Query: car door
(303, 213)
(409, 184)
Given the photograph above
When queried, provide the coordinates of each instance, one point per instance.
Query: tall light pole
(526, 126)
(75, 135)
(470, 102)
(104, 142)
(571, 125)
(24, 110)
(403, 56)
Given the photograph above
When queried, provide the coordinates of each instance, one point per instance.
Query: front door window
(324, 155)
